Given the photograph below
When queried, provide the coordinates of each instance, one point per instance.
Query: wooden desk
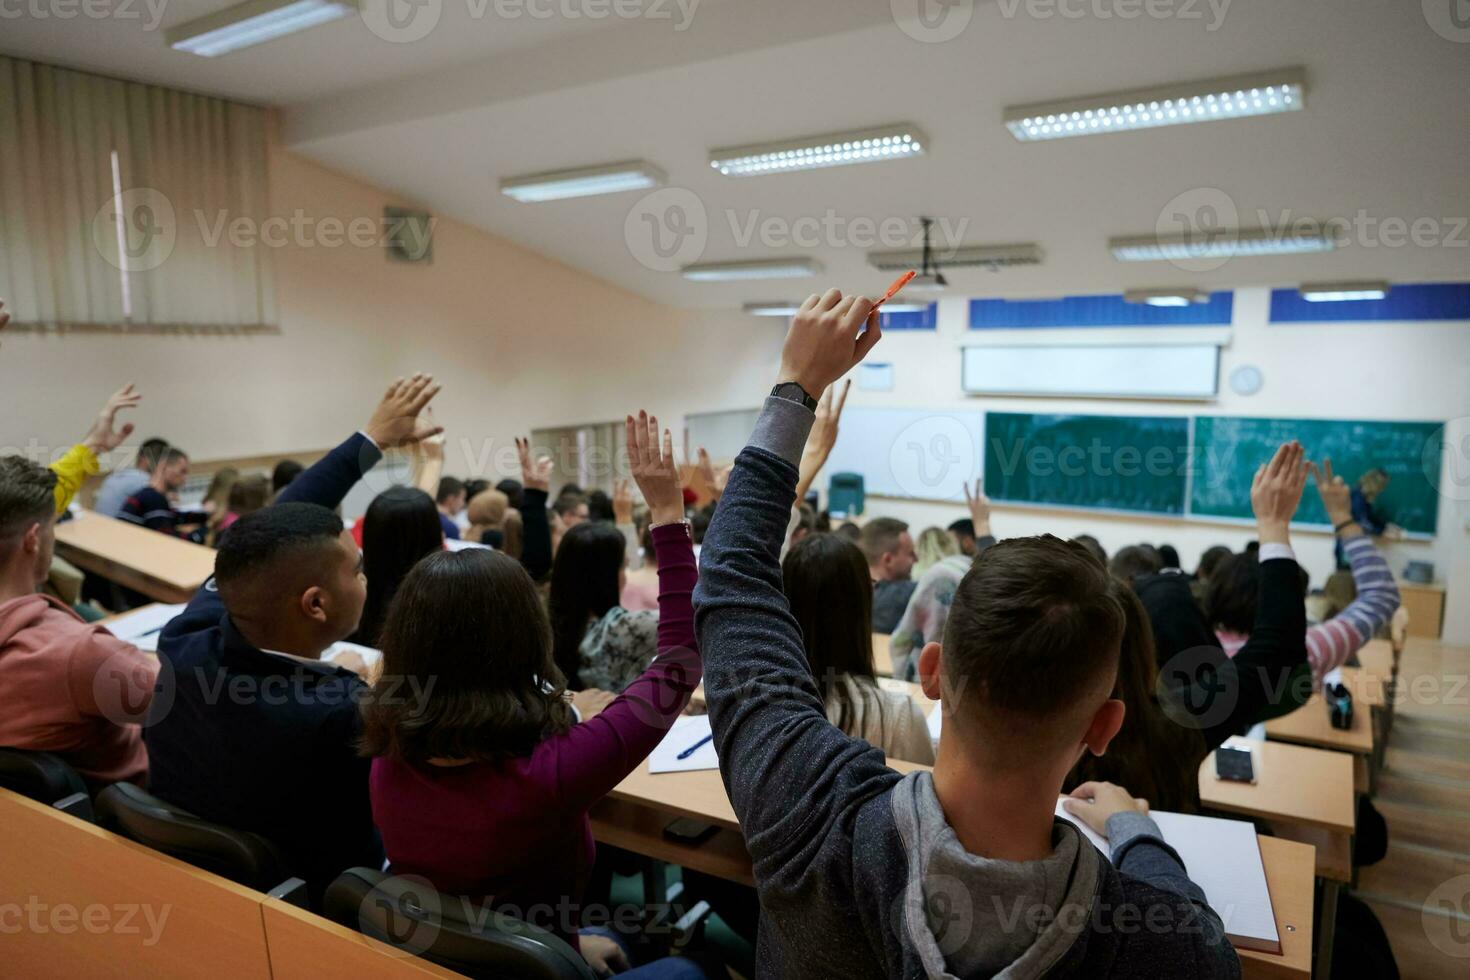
(158, 565)
(304, 946)
(882, 657)
(1425, 605)
(1376, 659)
(1289, 879)
(1308, 725)
(93, 893)
(1306, 794)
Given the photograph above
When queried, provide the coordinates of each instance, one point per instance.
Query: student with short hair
(249, 727)
(286, 471)
(861, 870)
(890, 552)
(450, 499)
(402, 526)
(151, 507)
(123, 483)
(68, 686)
(512, 489)
(831, 598)
(482, 782)
(964, 536)
(1094, 546)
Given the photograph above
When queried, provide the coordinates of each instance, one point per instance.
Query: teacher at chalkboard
(1370, 485)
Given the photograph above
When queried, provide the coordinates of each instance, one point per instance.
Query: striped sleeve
(1329, 644)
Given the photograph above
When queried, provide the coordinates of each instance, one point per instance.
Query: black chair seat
(45, 778)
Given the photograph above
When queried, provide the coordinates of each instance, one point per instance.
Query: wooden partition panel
(304, 946)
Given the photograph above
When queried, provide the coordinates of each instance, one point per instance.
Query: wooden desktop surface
(1308, 725)
(158, 565)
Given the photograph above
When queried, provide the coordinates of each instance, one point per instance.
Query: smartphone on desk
(1236, 765)
(686, 830)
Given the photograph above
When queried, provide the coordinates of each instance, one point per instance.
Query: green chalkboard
(1228, 450)
(1107, 462)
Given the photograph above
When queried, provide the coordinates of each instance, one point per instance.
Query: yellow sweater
(71, 472)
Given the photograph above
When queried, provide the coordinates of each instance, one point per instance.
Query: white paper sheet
(369, 655)
(142, 626)
(687, 731)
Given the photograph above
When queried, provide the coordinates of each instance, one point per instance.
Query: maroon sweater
(516, 836)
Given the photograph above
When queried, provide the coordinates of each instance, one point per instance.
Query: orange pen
(898, 284)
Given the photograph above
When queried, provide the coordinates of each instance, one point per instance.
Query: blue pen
(693, 748)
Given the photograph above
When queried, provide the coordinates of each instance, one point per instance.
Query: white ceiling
(440, 120)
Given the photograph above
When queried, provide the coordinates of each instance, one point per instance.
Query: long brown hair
(826, 581)
(467, 666)
(1151, 756)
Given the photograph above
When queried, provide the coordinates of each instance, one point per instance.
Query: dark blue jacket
(260, 741)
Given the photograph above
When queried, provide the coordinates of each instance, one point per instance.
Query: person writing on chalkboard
(1370, 486)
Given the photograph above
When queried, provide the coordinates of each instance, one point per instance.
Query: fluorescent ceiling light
(760, 269)
(1166, 297)
(1337, 292)
(829, 150)
(991, 256)
(895, 306)
(1223, 245)
(246, 24)
(632, 175)
(1260, 94)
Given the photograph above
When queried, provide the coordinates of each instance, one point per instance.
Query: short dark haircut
(1210, 560)
(1094, 547)
(173, 455)
(514, 492)
(286, 471)
(448, 487)
(150, 453)
(880, 536)
(584, 586)
(1033, 628)
(568, 502)
(964, 527)
(470, 629)
(268, 553)
(1168, 556)
(1135, 560)
(1234, 589)
(569, 487)
(401, 526)
(27, 496)
(600, 506)
(826, 581)
(850, 531)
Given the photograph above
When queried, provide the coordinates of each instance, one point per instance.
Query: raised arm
(789, 772)
(820, 441)
(80, 461)
(594, 756)
(535, 525)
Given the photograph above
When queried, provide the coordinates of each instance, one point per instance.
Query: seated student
(963, 531)
(890, 552)
(248, 727)
(216, 501)
(928, 609)
(1230, 603)
(482, 783)
(831, 598)
(597, 642)
(1269, 676)
(451, 499)
(600, 506)
(850, 531)
(934, 544)
(1168, 556)
(123, 483)
(402, 525)
(861, 871)
(152, 508)
(248, 495)
(487, 512)
(1208, 562)
(286, 471)
(1153, 755)
(640, 586)
(1094, 546)
(1135, 560)
(67, 686)
(572, 509)
(511, 488)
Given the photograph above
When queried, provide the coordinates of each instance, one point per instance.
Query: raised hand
(1276, 491)
(535, 475)
(979, 505)
(1337, 497)
(398, 420)
(432, 446)
(822, 438)
(103, 437)
(706, 469)
(654, 469)
(827, 338)
(622, 503)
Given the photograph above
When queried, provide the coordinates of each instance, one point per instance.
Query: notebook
(688, 731)
(1224, 859)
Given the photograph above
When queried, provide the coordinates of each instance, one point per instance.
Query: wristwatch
(793, 392)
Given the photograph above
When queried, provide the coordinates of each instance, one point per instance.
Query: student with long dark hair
(482, 780)
(598, 643)
(401, 527)
(825, 577)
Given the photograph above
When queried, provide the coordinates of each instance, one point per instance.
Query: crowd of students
(521, 680)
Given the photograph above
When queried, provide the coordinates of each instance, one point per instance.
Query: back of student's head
(570, 505)
(487, 509)
(850, 531)
(449, 489)
(149, 453)
(27, 500)
(1153, 756)
(933, 545)
(269, 562)
(401, 527)
(586, 581)
(570, 489)
(1031, 643)
(1094, 547)
(467, 659)
(1135, 560)
(599, 506)
(826, 581)
(1168, 556)
(473, 488)
(220, 484)
(513, 489)
(286, 471)
(1210, 560)
(1230, 596)
(880, 536)
(249, 494)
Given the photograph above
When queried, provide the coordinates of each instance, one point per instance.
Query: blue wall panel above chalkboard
(925, 319)
(1101, 462)
(1096, 311)
(1227, 452)
(1426, 301)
